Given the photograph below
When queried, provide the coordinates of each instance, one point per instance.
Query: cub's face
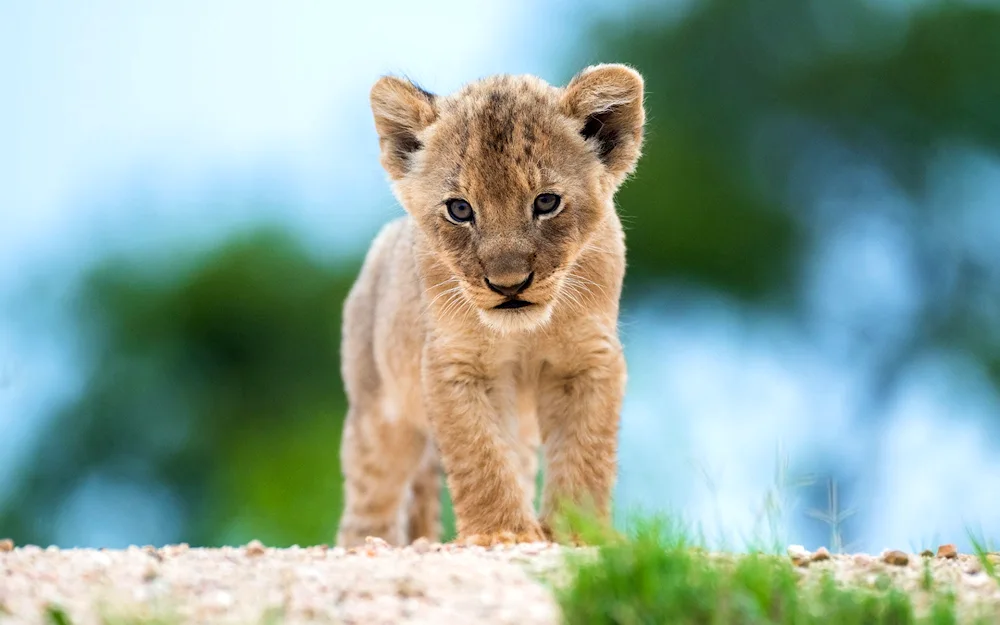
(509, 178)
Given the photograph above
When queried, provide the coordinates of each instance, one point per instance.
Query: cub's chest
(520, 359)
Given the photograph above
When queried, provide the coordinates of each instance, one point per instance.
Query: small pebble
(374, 542)
(175, 550)
(150, 573)
(821, 555)
(421, 545)
(6, 545)
(926, 553)
(798, 551)
(896, 557)
(409, 587)
(947, 551)
(255, 548)
(533, 548)
(800, 555)
(979, 580)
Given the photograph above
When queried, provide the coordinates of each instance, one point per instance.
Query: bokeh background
(811, 317)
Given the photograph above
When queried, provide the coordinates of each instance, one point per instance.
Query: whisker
(440, 284)
(448, 291)
(587, 281)
(597, 248)
(570, 292)
(580, 286)
(456, 304)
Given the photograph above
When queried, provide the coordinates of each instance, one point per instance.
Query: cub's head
(509, 178)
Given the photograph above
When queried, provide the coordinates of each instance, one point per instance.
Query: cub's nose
(510, 290)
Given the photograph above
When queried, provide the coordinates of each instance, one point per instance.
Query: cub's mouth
(512, 304)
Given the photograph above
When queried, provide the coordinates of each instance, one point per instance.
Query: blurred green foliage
(709, 205)
(215, 372)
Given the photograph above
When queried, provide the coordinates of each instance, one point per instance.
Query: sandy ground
(420, 584)
(252, 584)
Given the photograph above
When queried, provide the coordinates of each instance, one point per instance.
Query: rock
(152, 552)
(800, 555)
(373, 542)
(255, 548)
(978, 581)
(947, 551)
(175, 550)
(6, 545)
(409, 587)
(421, 545)
(532, 548)
(821, 554)
(150, 573)
(862, 559)
(798, 551)
(896, 557)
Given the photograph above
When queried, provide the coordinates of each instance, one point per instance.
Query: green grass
(656, 575)
(983, 549)
(55, 615)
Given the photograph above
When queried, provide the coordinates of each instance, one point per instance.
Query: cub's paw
(491, 539)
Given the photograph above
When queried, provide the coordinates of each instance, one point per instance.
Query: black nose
(512, 289)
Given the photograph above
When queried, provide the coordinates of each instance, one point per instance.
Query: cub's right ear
(401, 111)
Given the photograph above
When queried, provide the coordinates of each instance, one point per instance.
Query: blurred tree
(711, 192)
(214, 375)
(748, 100)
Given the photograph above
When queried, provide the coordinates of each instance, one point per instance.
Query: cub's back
(383, 332)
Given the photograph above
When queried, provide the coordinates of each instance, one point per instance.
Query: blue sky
(108, 94)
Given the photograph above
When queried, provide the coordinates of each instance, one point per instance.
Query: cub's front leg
(579, 405)
(491, 504)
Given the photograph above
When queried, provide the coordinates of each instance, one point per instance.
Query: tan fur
(434, 374)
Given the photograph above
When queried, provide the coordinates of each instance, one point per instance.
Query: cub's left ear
(607, 102)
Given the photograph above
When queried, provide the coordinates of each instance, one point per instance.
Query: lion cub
(484, 323)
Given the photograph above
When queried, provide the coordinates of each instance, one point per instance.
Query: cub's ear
(401, 111)
(607, 102)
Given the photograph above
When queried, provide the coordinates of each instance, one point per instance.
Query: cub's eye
(546, 203)
(459, 211)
